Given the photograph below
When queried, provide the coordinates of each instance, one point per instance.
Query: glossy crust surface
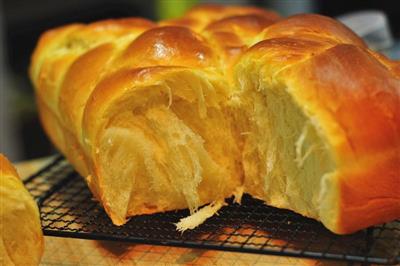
(22, 240)
(88, 76)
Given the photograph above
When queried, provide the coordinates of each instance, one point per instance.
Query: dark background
(23, 21)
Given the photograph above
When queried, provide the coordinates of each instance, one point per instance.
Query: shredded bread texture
(200, 216)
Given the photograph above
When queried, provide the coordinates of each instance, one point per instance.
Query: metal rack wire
(68, 209)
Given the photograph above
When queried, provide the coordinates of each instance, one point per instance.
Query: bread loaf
(162, 116)
(21, 234)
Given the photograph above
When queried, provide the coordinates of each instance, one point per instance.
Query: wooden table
(70, 251)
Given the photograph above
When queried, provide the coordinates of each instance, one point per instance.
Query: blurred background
(22, 21)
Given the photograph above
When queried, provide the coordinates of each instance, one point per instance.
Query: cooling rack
(68, 210)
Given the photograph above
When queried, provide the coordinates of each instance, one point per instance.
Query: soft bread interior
(166, 155)
(286, 159)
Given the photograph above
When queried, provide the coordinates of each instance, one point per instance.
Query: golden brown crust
(314, 28)
(86, 74)
(361, 115)
(51, 125)
(355, 98)
(201, 17)
(232, 35)
(6, 168)
(79, 82)
(212, 12)
(21, 236)
(370, 196)
(349, 94)
(245, 24)
(168, 46)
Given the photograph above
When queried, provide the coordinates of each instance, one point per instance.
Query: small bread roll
(21, 233)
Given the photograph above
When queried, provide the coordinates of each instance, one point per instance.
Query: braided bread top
(85, 74)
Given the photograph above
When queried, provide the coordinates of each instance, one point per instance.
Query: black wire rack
(68, 210)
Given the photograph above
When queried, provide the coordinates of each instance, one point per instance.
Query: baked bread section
(141, 111)
(21, 234)
(226, 99)
(325, 124)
